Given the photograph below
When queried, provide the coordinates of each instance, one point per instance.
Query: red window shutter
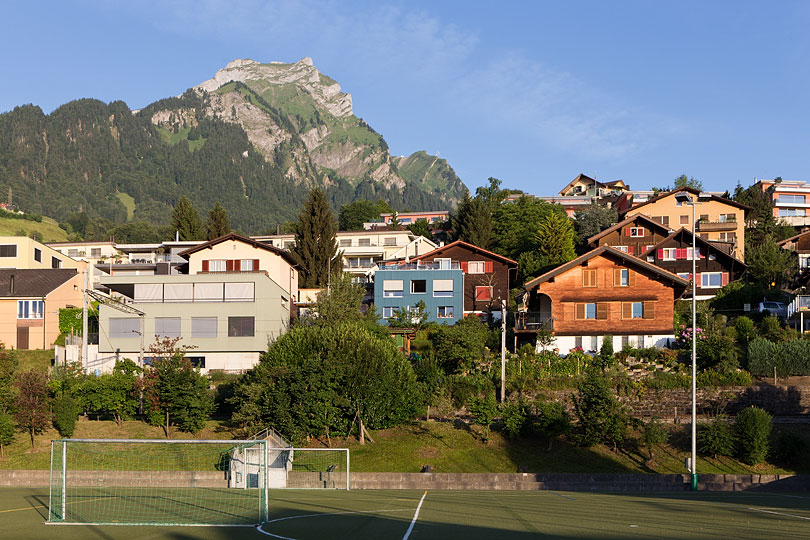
(680, 253)
(255, 265)
(488, 267)
(725, 279)
(464, 266)
(660, 254)
(697, 280)
(630, 250)
(205, 265)
(229, 264)
(628, 231)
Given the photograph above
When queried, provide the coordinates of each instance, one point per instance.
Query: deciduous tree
(421, 228)
(7, 427)
(32, 405)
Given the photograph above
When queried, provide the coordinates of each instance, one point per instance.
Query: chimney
(278, 229)
(11, 285)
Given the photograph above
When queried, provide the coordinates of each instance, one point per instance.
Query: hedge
(789, 358)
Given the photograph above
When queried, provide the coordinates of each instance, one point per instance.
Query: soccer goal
(308, 468)
(158, 482)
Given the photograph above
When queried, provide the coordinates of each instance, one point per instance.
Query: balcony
(533, 321)
(421, 266)
(713, 226)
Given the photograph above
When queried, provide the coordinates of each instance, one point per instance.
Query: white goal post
(308, 468)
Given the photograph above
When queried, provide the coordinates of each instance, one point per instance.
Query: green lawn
(48, 229)
(446, 515)
(129, 202)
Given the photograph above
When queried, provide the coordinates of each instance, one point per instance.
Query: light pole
(684, 198)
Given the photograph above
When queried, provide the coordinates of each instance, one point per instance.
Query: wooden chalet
(635, 235)
(603, 292)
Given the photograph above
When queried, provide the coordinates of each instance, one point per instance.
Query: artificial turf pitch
(465, 515)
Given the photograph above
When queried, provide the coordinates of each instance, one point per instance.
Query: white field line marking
(779, 513)
(259, 527)
(415, 517)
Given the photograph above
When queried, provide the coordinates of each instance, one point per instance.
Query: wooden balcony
(533, 321)
(714, 226)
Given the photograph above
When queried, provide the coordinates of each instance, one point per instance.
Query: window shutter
(602, 311)
(631, 278)
(680, 253)
(488, 267)
(464, 266)
(628, 231)
(617, 277)
(205, 265)
(725, 279)
(627, 310)
(660, 254)
(630, 250)
(649, 309)
(698, 280)
(255, 265)
(580, 311)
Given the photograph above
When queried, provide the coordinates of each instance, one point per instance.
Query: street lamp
(683, 197)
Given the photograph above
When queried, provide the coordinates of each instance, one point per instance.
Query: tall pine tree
(473, 222)
(315, 244)
(218, 224)
(186, 221)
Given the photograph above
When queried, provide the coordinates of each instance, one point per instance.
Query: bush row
(789, 358)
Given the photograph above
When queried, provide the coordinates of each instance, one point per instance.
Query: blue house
(440, 285)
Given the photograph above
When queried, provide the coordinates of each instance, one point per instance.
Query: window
(239, 292)
(73, 253)
(621, 277)
(585, 311)
(442, 287)
(646, 249)
(240, 327)
(125, 327)
(95, 253)
(727, 236)
(345, 242)
(288, 244)
(37, 254)
(623, 249)
(167, 326)
(789, 212)
(390, 241)
(444, 264)
(418, 286)
(445, 312)
(790, 199)
(667, 254)
(203, 327)
(483, 294)
(638, 310)
(476, 267)
(392, 288)
(8, 250)
(663, 220)
(594, 343)
(728, 218)
(248, 265)
(388, 312)
(685, 275)
(704, 217)
(578, 341)
(637, 232)
(588, 277)
(29, 309)
(364, 242)
(711, 280)
(178, 292)
(625, 341)
(712, 257)
(684, 220)
(209, 292)
(197, 361)
(56, 263)
(640, 342)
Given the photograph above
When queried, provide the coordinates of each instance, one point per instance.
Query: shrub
(753, 433)
(601, 417)
(464, 388)
(716, 437)
(717, 352)
(745, 329)
(790, 448)
(662, 380)
(653, 435)
(7, 427)
(552, 420)
(65, 413)
(483, 411)
(789, 358)
(516, 418)
(770, 328)
(713, 378)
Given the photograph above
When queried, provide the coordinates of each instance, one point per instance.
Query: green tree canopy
(352, 215)
(684, 181)
(554, 239)
(315, 244)
(473, 222)
(768, 262)
(421, 228)
(218, 224)
(186, 220)
(32, 405)
(515, 224)
(459, 348)
(593, 220)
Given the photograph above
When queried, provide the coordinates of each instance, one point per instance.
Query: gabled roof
(694, 192)
(683, 231)
(635, 217)
(287, 256)
(792, 238)
(585, 178)
(472, 247)
(607, 250)
(34, 282)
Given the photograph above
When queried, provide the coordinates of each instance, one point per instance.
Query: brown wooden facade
(604, 292)
(487, 275)
(635, 235)
(714, 267)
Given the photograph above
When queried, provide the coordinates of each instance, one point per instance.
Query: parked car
(774, 308)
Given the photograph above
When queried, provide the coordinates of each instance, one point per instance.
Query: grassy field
(48, 229)
(129, 202)
(311, 515)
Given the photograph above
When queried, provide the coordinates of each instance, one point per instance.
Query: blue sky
(532, 93)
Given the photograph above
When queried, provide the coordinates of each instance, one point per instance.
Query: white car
(774, 308)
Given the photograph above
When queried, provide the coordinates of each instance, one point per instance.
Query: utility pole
(84, 319)
(503, 350)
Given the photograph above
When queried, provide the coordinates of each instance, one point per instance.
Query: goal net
(158, 482)
(308, 468)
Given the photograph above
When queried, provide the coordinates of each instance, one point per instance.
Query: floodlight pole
(503, 350)
(693, 463)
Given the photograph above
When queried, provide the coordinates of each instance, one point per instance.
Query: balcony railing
(421, 266)
(534, 321)
(710, 226)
